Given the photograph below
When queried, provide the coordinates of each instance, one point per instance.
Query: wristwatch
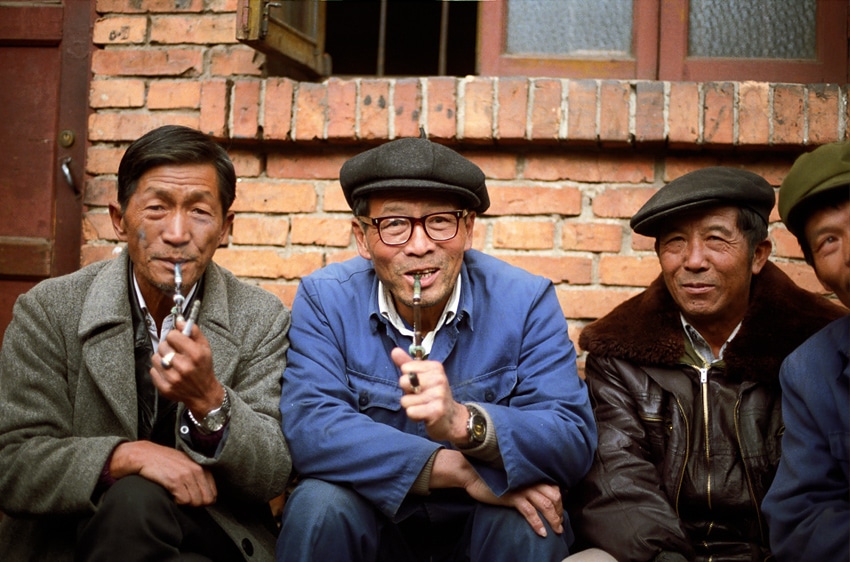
(215, 419)
(476, 427)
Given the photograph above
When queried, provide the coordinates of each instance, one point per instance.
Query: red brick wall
(567, 161)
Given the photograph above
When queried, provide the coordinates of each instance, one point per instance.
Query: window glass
(777, 29)
(570, 27)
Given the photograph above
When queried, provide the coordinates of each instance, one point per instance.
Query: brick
(213, 115)
(629, 271)
(334, 198)
(590, 167)
(103, 159)
(496, 165)
(100, 191)
(97, 226)
(170, 94)
(442, 108)
(267, 264)
(236, 60)
(248, 164)
(341, 109)
(785, 244)
(285, 292)
(407, 107)
(719, 116)
(266, 230)
(545, 109)
(683, 114)
(340, 256)
(374, 110)
(788, 114)
(581, 115)
(642, 243)
(222, 5)
(649, 112)
(323, 231)
(478, 108)
(206, 29)
(152, 6)
(311, 104)
(524, 235)
(479, 236)
(587, 303)
(246, 109)
(262, 196)
(620, 202)
(117, 93)
(529, 200)
(754, 113)
(802, 275)
(130, 126)
(93, 253)
(824, 102)
(561, 269)
(148, 62)
(512, 108)
(120, 30)
(307, 166)
(591, 237)
(614, 112)
(277, 108)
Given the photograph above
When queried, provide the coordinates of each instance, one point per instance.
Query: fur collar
(646, 329)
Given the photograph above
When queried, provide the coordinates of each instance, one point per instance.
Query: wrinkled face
(706, 266)
(828, 235)
(438, 263)
(174, 215)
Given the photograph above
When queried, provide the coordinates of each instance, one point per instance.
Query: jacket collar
(646, 329)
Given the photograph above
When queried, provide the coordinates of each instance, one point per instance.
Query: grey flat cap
(707, 187)
(414, 166)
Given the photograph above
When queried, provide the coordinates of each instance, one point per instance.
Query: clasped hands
(445, 420)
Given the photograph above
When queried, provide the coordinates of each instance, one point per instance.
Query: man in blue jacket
(808, 504)
(464, 453)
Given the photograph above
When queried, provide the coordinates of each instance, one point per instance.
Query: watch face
(479, 428)
(214, 420)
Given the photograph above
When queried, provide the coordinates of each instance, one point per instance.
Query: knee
(134, 497)
(505, 529)
(316, 503)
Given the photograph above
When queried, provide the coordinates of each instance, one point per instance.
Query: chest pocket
(495, 387)
(377, 397)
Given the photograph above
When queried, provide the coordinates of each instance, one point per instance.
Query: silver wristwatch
(215, 419)
(476, 427)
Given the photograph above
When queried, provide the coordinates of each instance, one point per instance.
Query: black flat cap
(708, 187)
(414, 166)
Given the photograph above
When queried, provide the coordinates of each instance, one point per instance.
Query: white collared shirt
(701, 346)
(388, 310)
(167, 324)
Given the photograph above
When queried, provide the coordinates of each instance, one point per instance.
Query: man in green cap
(808, 504)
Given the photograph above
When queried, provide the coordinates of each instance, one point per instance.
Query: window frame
(494, 61)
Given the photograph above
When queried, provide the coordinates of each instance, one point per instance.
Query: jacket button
(489, 396)
(364, 399)
(248, 547)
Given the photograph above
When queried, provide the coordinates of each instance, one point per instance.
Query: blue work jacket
(808, 504)
(507, 350)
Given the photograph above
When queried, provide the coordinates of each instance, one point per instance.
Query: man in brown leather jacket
(684, 380)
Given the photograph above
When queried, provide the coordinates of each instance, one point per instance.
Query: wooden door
(45, 58)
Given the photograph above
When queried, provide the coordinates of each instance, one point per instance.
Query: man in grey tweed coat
(120, 438)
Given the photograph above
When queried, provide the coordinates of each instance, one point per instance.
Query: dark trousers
(137, 519)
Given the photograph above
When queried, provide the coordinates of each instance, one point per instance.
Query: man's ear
(225, 228)
(116, 215)
(360, 237)
(761, 254)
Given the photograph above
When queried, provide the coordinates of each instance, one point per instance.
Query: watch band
(215, 419)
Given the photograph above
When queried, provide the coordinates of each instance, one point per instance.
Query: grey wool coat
(68, 397)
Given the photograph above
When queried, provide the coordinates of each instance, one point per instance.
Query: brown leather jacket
(663, 480)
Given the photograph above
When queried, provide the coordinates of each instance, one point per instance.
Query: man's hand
(451, 469)
(186, 480)
(444, 418)
(189, 378)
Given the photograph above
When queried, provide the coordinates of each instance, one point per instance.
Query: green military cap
(823, 169)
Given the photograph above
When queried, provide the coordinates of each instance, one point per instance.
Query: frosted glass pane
(570, 27)
(781, 29)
